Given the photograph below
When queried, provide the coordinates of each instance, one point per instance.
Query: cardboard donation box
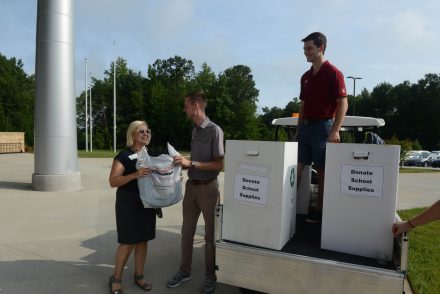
(260, 192)
(360, 194)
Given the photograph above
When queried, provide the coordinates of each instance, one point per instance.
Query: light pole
(354, 91)
(114, 96)
(86, 114)
(91, 115)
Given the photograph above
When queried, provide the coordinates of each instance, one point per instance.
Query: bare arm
(341, 110)
(117, 178)
(215, 165)
(430, 214)
(301, 109)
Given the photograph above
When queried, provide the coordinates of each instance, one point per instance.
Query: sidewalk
(64, 242)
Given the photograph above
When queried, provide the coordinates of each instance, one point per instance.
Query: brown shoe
(112, 280)
(145, 286)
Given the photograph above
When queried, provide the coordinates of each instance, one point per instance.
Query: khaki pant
(199, 198)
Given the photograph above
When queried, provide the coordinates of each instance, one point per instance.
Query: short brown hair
(317, 38)
(198, 96)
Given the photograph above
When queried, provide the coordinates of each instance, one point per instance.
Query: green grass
(109, 154)
(424, 255)
(96, 154)
(409, 170)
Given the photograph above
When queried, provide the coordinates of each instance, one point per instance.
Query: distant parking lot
(422, 158)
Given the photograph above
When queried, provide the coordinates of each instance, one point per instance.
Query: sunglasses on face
(144, 131)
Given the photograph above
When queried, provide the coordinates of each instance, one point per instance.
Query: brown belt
(201, 182)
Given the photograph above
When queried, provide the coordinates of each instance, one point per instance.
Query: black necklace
(134, 149)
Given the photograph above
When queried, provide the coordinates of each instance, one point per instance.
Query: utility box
(260, 192)
(360, 193)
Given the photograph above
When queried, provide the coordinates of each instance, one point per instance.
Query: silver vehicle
(301, 266)
(420, 158)
(434, 159)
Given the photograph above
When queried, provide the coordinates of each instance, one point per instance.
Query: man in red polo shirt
(322, 110)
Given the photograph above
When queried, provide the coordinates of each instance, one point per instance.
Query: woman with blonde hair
(135, 224)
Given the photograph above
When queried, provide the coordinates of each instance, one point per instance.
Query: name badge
(133, 156)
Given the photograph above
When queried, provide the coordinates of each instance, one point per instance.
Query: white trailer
(302, 266)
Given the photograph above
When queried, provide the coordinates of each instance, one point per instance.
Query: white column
(56, 162)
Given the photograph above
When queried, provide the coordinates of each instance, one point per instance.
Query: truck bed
(307, 242)
(303, 267)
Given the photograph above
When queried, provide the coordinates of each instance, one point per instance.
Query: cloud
(166, 19)
(391, 40)
(410, 28)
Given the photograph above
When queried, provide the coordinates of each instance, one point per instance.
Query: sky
(381, 41)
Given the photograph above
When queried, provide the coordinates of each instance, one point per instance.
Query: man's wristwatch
(194, 164)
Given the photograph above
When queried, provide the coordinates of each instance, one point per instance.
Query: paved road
(418, 190)
(64, 242)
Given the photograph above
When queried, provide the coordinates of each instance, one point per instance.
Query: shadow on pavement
(90, 274)
(16, 186)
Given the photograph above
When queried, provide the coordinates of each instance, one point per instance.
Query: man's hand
(181, 160)
(333, 137)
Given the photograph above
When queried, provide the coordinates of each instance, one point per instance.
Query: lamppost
(114, 96)
(354, 91)
(91, 115)
(86, 115)
(105, 118)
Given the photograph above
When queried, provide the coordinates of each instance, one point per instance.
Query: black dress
(134, 223)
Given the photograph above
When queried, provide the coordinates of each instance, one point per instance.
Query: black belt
(309, 121)
(201, 182)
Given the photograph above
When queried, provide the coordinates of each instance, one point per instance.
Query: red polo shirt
(319, 92)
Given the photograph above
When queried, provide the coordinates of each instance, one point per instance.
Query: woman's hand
(142, 172)
(399, 228)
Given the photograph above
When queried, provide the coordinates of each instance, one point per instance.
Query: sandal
(112, 280)
(145, 286)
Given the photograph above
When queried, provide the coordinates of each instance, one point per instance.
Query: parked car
(417, 158)
(433, 156)
(435, 160)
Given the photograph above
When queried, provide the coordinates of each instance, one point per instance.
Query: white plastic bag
(162, 187)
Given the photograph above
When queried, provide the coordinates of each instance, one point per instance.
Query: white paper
(359, 180)
(251, 188)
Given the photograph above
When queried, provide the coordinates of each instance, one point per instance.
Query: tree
(409, 110)
(205, 79)
(237, 97)
(405, 146)
(168, 82)
(16, 98)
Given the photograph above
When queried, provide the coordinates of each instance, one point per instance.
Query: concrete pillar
(55, 143)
